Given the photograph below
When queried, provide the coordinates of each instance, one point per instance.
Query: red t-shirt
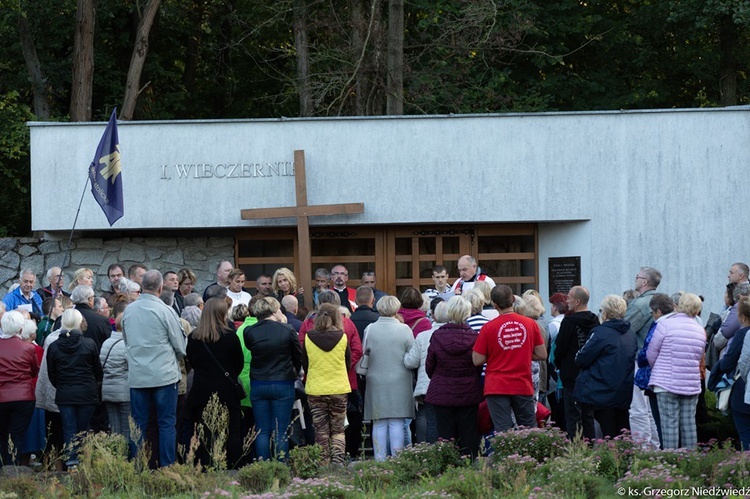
(508, 341)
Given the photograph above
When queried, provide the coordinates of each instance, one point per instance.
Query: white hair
(126, 286)
(71, 319)
(81, 294)
(29, 328)
(12, 323)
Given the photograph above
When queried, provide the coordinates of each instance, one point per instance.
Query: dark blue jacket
(728, 365)
(607, 363)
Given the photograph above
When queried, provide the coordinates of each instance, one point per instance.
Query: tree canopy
(251, 59)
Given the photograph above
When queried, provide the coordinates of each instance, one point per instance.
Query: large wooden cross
(303, 212)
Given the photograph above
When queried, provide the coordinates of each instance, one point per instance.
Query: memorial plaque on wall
(564, 273)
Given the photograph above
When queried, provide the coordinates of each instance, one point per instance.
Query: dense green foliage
(238, 59)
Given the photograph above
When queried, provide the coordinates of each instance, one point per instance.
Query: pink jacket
(675, 354)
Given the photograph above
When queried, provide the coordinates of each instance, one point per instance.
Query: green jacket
(639, 316)
(244, 376)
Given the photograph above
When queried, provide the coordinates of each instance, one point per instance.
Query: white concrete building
(620, 190)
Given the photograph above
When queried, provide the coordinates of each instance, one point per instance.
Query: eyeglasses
(641, 277)
(340, 273)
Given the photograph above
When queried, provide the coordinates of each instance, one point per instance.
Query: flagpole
(70, 237)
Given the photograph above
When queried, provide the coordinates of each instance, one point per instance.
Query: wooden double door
(400, 256)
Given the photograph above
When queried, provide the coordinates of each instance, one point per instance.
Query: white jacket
(415, 359)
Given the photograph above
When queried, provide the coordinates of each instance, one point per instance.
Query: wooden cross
(303, 212)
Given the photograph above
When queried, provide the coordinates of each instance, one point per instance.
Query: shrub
(471, 482)
(306, 461)
(569, 476)
(734, 472)
(172, 480)
(512, 473)
(104, 464)
(614, 456)
(429, 459)
(372, 476)
(213, 432)
(702, 465)
(320, 488)
(264, 475)
(660, 476)
(21, 486)
(539, 443)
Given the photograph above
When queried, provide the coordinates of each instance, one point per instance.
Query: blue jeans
(426, 423)
(75, 419)
(272, 408)
(165, 398)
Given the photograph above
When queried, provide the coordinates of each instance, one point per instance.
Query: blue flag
(104, 172)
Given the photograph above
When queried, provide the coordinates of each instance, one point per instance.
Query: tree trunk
(303, 57)
(36, 74)
(192, 55)
(224, 83)
(728, 36)
(395, 97)
(140, 50)
(83, 61)
(359, 25)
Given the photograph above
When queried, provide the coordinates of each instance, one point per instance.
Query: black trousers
(577, 417)
(459, 424)
(353, 432)
(14, 421)
(611, 421)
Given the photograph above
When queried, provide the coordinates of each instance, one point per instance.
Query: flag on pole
(104, 172)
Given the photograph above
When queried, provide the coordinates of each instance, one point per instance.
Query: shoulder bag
(239, 390)
(362, 364)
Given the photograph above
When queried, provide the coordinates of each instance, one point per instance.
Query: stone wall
(200, 254)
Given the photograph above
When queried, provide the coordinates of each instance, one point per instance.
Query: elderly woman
(476, 319)
(275, 364)
(485, 290)
(37, 431)
(388, 398)
(192, 315)
(74, 370)
(115, 388)
(729, 365)
(455, 390)
(285, 283)
(18, 368)
(82, 277)
(131, 290)
(530, 305)
(674, 355)
(415, 358)
(606, 363)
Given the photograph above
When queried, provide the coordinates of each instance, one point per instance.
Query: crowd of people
(456, 361)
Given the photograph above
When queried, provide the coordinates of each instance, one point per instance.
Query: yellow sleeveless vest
(327, 371)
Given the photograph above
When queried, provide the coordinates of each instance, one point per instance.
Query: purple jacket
(675, 354)
(454, 380)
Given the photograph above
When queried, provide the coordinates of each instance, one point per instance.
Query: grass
(538, 463)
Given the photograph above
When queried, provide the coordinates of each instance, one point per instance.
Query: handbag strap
(110, 351)
(226, 373)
